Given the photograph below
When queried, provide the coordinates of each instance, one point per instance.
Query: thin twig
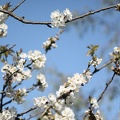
(7, 102)
(31, 109)
(93, 12)
(107, 85)
(7, 49)
(98, 69)
(17, 6)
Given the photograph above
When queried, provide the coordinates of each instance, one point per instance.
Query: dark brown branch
(31, 109)
(93, 12)
(48, 23)
(107, 85)
(7, 102)
(23, 20)
(17, 6)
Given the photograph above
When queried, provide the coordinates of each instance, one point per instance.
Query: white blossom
(94, 103)
(42, 84)
(23, 55)
(8, 114)
(3, 16)
(20, 64)
(19, 94)
(66, 114)
(7, 68)
(95, 62)
(117, 49)
(98, 116)
(51, 42)
(52, 98)
(26, 74)
(10, 92)
(37, 58)
(40, 101)
(3, 30)
(67, 14)
(58, 19)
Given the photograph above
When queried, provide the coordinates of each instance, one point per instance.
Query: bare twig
(107, 85)
(17, 6)
(31, 109)
(7, 102)
(93, 12)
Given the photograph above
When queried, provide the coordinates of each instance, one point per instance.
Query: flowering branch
(98, 69)
(21, 19)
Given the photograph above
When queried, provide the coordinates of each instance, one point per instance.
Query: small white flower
(3, 30)
(98, 116)
(46, 44)
(9, 114)
(3, 16)
(19, 94)
(52, 98)
(23, 55)
(94, 103)
(37, 58)
(58, 19)
(54, 45)
(68, 114)
(27, 74)
(42, 84)
(116, 49)
(95, 62)
(40, 101)
(10, 92)
(67, 14)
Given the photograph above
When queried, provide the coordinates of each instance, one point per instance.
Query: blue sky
(69, 57)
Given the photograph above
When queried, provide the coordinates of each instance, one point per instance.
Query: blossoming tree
(55, 106)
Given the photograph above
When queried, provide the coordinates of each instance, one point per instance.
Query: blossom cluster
(93, 105)
(59, 19)
(64, 96)
(22, 70)
(17, 95)
(51, 42)
(95, 61)
(37, 59)
(3, 17)
(8, 114)
(65, 113)
(115, 56)
(41, 82)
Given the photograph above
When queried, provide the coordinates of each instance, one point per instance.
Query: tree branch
(31, 109)
(107, 85)
(93, 12)
(17, 6)
(49, 23)
(98, 69)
